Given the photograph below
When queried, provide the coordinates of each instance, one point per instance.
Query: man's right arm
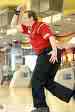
(16, 20)
(20, 27)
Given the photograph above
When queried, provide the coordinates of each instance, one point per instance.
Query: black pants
(43, 76)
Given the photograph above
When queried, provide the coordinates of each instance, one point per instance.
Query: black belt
(47, 50)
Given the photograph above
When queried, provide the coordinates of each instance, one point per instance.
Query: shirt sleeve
(45, 31)
(25, 29)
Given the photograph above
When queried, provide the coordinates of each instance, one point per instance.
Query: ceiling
(69, 5)
(9, 2)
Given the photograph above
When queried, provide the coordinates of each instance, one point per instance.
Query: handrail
(65, 34)
(3, 11)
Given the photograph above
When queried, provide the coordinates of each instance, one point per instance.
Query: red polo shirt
(39, 36)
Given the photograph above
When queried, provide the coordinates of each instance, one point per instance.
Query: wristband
(17, 12)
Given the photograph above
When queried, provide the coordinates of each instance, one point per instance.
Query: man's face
(26, 21)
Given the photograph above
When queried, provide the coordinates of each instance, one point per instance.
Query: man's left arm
(47, 33)
(53, 53)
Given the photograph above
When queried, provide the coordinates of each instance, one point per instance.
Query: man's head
(29, 17)
(32, 14)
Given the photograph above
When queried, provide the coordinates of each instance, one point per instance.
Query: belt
(45, 50)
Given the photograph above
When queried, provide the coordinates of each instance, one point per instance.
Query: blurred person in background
(43, 42)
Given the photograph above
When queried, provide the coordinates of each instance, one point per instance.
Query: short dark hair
(32, 14)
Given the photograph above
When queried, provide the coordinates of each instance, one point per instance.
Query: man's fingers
(53, 59)
(53, 56)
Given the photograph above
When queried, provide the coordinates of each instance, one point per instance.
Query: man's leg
(38, 79)
(55, 88)
(38, 93)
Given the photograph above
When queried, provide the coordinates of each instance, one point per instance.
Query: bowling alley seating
(21, 76)
(6, 74)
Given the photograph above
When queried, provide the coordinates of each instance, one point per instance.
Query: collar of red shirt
(34, 24)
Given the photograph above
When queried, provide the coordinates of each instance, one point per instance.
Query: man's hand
(18, 8)
(21, 8)
(53, 57)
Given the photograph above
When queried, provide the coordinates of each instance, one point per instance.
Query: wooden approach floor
(20, 100)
